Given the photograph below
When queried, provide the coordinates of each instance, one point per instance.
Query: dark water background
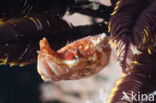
(19, 84)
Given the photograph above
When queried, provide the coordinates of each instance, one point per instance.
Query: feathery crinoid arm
(140, 81)
(144, 30)
(125, 27)
(18, 8)
(92, 8)
(20, 37)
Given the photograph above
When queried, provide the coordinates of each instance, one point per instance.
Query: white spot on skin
(95, 42)
(91, 46)
(67, 70)
(71, 63)
(90, 53)
(86, 47)
(99, 49)
(93, 58)
(98, 39)
(80, 47)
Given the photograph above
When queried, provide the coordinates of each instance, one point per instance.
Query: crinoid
(132, 24)
(139, 85)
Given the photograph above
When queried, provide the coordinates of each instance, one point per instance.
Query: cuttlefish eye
(79, 59)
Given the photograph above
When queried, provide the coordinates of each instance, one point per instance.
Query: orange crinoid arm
(82, 58)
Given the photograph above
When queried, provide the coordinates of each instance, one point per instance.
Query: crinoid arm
(139, 82)
(133, 24)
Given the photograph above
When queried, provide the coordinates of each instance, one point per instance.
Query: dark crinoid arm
(133, 23)
(21, 33)
(139, 85)
(18, 8)
(93, 9)
(20, 37)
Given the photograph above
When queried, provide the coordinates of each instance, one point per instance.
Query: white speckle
(71, 63)
(91, 46)
(80, 47)
(86, 47)
(99, 49)
(103, 34)
(67, 70)
(96, 41)
(93, 58)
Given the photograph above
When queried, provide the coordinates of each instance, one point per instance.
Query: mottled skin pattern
(82, 58)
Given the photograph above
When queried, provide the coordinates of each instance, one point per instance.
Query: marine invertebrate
(131, 24)
(22, 31)
(142, 79)
(18, 8)
(20, 37)
(80, 59)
